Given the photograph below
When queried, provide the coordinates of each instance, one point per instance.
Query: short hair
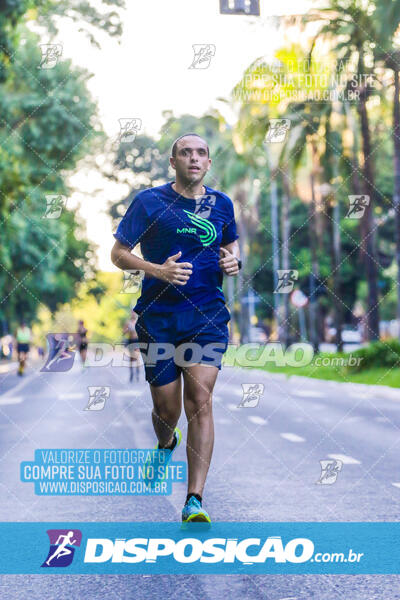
(174, 146)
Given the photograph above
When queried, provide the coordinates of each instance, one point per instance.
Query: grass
(372, 376)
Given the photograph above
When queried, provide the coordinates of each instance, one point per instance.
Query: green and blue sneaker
(161, 458)
(193, 512)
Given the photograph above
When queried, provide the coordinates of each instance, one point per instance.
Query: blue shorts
(177, 339)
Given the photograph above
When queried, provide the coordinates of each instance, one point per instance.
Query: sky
(147, 72)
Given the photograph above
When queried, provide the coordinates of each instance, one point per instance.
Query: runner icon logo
(252, 393)
(329, 471)
(97, 397)
(61, 551)
(204, 204)
(61, 352)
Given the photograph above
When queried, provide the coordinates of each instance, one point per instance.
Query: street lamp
(239, 7)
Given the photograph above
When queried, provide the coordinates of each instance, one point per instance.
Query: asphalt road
(265, 467)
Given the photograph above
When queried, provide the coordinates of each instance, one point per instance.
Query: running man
(182, 302)
(131, 337)
(23, 337)
(62, 549)
(82, 341)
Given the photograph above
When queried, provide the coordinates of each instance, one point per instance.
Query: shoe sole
(198, 518)
(195, 525)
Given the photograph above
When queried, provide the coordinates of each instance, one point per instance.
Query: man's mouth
(194, 169)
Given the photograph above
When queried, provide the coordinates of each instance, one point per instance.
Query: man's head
(190, 158)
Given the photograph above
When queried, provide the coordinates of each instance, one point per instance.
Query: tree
(348, 24)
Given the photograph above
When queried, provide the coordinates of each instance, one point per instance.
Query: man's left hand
(228, 262)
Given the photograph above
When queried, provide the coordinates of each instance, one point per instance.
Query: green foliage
(378, 354)
(48, 122)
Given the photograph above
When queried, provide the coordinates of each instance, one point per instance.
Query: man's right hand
(174, 272)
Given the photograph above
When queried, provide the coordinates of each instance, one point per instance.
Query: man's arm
(228, 255)
(170, 271)
(122, 257)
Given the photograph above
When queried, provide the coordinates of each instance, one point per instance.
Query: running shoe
(193, 512)
(160, 458)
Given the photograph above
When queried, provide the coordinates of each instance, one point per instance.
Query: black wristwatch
(239, 262)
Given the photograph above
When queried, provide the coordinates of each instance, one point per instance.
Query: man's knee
(198, 404)
(166, 414)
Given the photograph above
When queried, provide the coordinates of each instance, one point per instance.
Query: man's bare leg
(199, 381)
(167, 407)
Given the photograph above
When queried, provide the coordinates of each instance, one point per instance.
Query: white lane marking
(258, 420)
(132, 392)
(382, 419)
(11, 400)
(396, 484)
(354, 419)
(308, 393)
(71, 396)
(233, 407)
(292, 437)
(8, 367)
(18, 387)
(235, 390)
(346, 460)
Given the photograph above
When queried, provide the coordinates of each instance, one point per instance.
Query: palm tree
(349, 25)
(387, 25)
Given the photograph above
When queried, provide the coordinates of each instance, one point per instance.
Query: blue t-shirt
(164, 223)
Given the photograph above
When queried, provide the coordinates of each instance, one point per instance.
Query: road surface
(265, 468)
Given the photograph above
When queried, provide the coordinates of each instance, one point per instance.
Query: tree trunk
(285, 228)
(275, 247)
(316, 324)
(241, 290)
(313, 305)
(396, 195)
(369, 240)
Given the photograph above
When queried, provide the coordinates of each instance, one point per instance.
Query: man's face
(191, 162)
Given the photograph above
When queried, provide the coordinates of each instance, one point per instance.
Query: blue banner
(101, 472)
(223, 548)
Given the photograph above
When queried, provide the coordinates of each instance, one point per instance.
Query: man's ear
(172, 162)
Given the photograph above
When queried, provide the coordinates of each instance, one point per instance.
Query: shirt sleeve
(229, 233)
(133, 224)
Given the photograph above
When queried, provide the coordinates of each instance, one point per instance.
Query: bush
(377, 354)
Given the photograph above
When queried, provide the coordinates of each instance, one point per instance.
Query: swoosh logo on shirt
(209, 232)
